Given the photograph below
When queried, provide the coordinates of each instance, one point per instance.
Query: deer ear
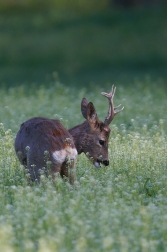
(91, 113)
(84, 104)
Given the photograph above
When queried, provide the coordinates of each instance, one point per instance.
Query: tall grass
(117, 208)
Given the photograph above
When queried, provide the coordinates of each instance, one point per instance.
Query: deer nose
(106, 162)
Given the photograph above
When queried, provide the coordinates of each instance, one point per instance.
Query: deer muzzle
(105, 162)
(98, 162)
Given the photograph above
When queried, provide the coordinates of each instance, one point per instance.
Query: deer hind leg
(36, 165)
(22, 158)
(30, 169)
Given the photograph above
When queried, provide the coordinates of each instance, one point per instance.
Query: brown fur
(40, 140)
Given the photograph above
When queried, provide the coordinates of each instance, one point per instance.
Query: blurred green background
(82, 42)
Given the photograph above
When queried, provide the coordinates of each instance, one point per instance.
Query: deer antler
(111, 111)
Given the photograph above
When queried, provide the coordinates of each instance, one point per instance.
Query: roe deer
(40, 140)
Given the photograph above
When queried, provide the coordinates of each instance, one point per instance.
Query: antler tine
(111, 111)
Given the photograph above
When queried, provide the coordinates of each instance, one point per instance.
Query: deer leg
(32, 170)
(55, 170)
(72, 172)
(68, 170)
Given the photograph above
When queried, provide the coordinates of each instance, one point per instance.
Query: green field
(119, 208)
(92, 47)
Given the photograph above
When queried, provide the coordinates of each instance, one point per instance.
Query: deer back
(40, 140)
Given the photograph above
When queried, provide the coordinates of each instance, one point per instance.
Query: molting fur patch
(61, 155)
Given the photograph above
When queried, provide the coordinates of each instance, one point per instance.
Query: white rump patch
(67, 153)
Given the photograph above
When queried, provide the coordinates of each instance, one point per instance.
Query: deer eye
(101, 142)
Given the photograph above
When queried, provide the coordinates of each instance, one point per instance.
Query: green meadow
(93, 47)
(119, 208)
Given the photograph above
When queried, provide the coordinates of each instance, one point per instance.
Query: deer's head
(94, 133)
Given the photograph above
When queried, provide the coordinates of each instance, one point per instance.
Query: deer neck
(78, 132)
